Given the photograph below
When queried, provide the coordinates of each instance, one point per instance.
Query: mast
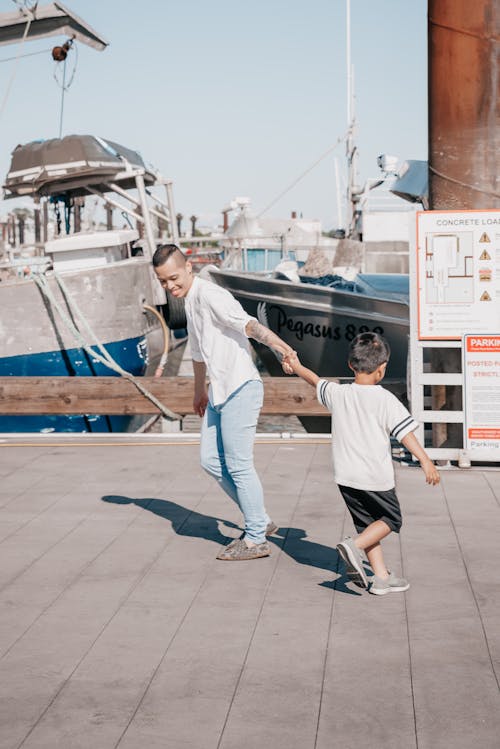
(351, 150)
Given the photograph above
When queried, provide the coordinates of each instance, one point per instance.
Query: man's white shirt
(216, 324)
(364, 418)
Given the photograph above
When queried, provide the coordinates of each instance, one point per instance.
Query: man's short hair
(164, 252)
(367, 352)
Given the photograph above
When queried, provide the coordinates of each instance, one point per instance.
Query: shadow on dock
(292, 541)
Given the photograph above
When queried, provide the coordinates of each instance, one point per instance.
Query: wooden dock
(119, 628)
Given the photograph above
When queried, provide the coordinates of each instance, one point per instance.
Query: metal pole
(124, 193)
(62, 100)
(171, 211)
(348, 59)
(148, 226)
(350, 148)
(464, 141)
(36, 215)
(337, 188)
(464, 104)
(45, 220)
(115, 203)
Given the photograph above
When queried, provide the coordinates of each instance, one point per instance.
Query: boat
(72, 303)
(320, 321)
(258, 244)
(75, 301)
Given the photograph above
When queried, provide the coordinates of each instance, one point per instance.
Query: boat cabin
(90, 249)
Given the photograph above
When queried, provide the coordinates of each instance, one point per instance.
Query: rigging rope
(16, 66)
(301, 176)
(104, 357)
(463, 184)
(28, 54)
(64, 86)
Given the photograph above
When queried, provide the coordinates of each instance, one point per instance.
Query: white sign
(458, 272)
(481, 366)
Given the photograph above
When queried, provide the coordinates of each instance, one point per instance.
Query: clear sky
(233, 98)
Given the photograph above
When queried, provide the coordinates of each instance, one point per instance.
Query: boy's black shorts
(367, 506)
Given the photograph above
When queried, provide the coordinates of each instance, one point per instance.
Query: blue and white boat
(62, 298)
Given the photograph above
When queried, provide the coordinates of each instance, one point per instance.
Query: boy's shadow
(293, 541)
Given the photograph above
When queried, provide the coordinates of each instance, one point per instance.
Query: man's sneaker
(271, 528)
(238, 551)
(353, 562)
(392, 584)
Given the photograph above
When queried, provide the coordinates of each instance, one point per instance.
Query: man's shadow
(293, 541)
(184, 522)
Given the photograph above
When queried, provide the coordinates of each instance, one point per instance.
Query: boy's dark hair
(164, 252)
(367, 352)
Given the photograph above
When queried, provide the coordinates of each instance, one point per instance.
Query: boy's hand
(288, 361)
(431, 473)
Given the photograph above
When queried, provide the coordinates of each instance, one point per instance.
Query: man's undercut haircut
(165, 252)
(367, 352)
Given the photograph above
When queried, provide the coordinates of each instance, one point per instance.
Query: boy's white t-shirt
(364, 417)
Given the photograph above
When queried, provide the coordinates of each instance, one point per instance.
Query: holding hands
(289, 362)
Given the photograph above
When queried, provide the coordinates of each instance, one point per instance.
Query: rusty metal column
(464, 104)
(464, 139)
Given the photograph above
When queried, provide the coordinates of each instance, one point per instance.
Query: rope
(15, 68)
(463, 184)
(28, 54)
(104, 357)
(301, 176)
(166, 336)
(64, 86)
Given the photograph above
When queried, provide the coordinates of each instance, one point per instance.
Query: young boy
(364, 417)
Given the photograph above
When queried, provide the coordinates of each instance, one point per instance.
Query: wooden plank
(116, 395)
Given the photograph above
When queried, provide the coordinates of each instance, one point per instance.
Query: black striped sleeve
(408, 424)
(321, 389)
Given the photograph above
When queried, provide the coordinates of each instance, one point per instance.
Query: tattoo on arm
(259, 332)
(263, 335)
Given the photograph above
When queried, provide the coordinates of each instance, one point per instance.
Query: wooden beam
(115, 395)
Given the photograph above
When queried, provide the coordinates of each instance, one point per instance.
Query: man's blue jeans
(227, 439)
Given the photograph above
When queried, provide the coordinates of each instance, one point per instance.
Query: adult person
(219, 330)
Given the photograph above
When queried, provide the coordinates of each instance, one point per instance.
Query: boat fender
(174, 312)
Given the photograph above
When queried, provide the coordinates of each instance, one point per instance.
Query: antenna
(351, 151)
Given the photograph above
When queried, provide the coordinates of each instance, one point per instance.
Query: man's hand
(200, 398)
(200, 402)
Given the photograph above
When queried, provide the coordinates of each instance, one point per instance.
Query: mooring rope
(104, 357)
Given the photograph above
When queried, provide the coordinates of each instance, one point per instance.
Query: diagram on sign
(449, 268)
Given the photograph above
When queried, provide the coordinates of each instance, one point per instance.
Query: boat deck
(118, 627)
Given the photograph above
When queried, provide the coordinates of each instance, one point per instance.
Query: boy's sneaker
(353, 562)
(392, 584)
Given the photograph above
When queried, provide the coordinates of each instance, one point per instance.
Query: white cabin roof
(90, 240)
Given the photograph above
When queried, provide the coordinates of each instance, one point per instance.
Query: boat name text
(301, 328)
